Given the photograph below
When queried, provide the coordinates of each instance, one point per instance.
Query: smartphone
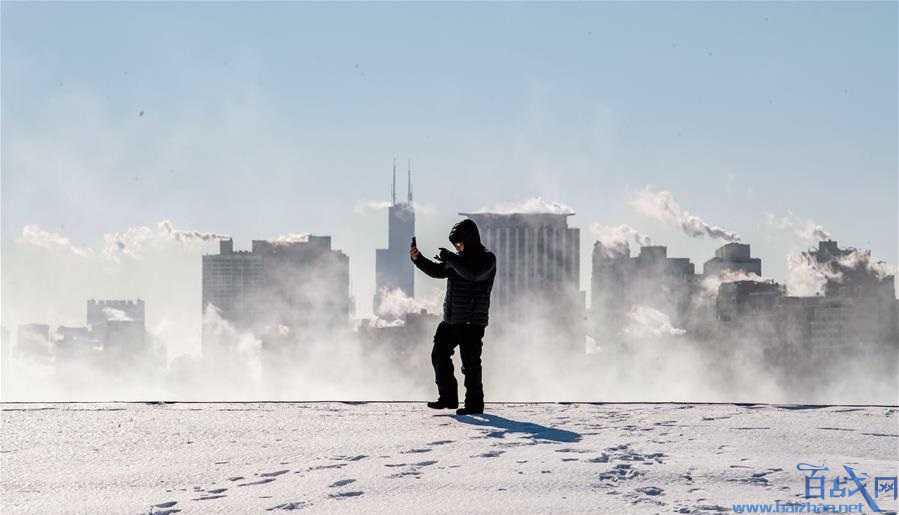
(413, 242)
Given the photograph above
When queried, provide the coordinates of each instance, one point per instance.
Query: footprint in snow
(650, 490)
(341, 482)
(345, 495)
(208, 497)
(323, 467)
(350, 458)
(260, 482)
(274, 474)
(414, 473)
(288, 506)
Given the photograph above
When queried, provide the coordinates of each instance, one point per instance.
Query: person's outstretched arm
(478, 271)
(430, 268)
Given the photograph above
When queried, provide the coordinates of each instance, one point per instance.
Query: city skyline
(294, 129)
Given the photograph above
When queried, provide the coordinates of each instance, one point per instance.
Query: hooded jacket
(469, 276)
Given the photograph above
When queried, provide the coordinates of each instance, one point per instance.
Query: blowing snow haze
(700, 215)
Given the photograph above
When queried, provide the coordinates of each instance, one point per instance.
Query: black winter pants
(468, 338)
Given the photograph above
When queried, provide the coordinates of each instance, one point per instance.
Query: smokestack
(393, 188)
(226, 246)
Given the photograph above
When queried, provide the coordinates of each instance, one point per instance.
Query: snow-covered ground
(404, 458)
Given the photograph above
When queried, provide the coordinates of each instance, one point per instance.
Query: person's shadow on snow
(529, 429)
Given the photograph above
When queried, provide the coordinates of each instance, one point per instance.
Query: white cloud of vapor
(529, 206)
(808, 231)
(646, 322)
(807, 277)
(616, 240)
(395, 303)
(293, 237)
(136, 241)
(38, 237)
(661, 205)
(117, 315)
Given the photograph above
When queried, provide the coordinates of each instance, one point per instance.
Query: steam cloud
(616, 240)
(395, 303)
(808, 231)
(646, 322)
(806, 277)
(35, 235)
(371, 206)
(293, 237)
(662, 206)
(167, 227)
(135, 242)
(530, 206)
(640, 364)
(116, 315)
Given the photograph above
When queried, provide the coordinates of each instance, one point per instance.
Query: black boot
(469, 411)
(440, 404)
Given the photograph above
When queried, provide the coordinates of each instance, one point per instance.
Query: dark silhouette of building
(294, 287)
(393, 269)
(857, 308)
(114, 335)
(733, 257)
(854, 320)
(537, 280)
(748, 300)
(620, 283)
(233, 283)
(118, 324)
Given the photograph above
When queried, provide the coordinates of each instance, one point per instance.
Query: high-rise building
(232, 283)
(117, 326)
(733, 257)
(393, 269)
(747, 300)
(537, 271)
(305, 284)
(279, 286)
(652, 279)
(855, 318)
(857, 306)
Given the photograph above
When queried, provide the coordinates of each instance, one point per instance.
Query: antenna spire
(410, 181)
(393, 188)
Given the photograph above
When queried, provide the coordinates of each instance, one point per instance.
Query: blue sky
(262, 118)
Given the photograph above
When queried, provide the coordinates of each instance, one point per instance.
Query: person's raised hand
(445, 254)
(414, 253)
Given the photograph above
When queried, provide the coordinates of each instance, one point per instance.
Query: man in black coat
(469, 280)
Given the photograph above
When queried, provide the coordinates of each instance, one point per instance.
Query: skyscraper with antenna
(393, 269)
